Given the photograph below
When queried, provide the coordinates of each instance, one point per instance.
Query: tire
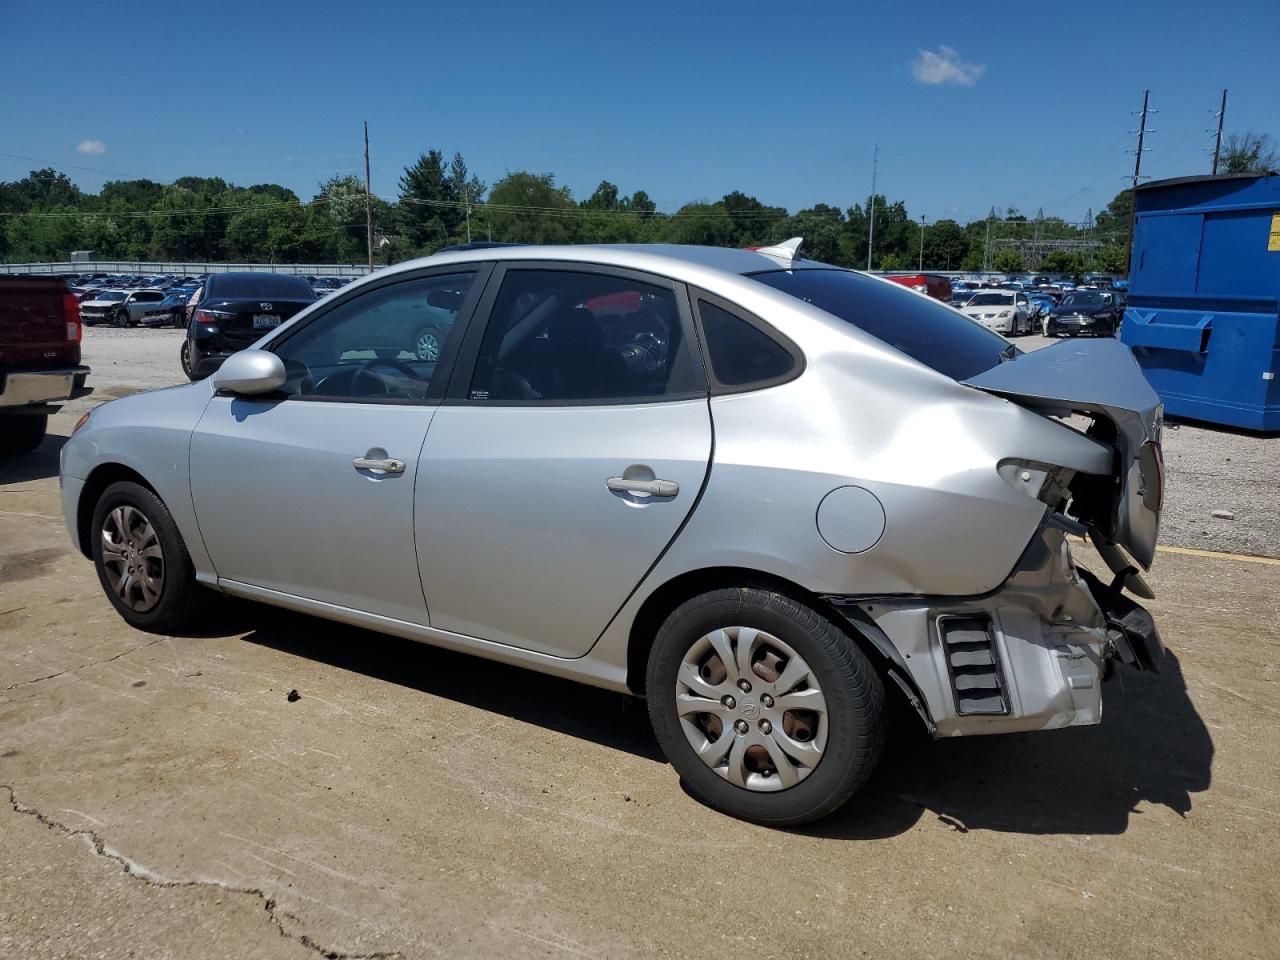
(846, 737)
(21, 433)
(165, 599)
(184, 357)
(427, 344)
(122, 318)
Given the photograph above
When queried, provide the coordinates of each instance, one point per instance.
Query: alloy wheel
(427, 346)
(132, 558)
(751, 708)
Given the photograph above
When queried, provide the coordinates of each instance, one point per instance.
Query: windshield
(923, 329)
(990, 299)
(113, 297)
(255, 285)
(1079, 300)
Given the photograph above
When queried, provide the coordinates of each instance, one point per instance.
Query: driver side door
(308, 492)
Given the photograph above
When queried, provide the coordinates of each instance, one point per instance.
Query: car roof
(668, 259)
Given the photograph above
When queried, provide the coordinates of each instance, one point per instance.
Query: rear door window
(923, 329)
(564, 336)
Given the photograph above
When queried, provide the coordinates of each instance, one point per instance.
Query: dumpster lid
(1203, 178)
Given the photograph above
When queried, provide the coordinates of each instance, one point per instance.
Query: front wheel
(766, 709)
(122, 318)
(427, 344)
(142, 563)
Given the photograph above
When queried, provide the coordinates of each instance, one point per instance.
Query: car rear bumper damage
(1030, 655)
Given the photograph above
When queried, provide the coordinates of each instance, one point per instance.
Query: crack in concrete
(143, 875)
(91, 663)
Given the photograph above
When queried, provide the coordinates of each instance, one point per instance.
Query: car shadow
(40, 464)
(1152, 746)
(611, 719)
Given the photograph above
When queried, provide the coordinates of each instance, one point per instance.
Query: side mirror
(250, 372)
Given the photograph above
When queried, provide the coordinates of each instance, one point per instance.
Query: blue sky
(973, 105)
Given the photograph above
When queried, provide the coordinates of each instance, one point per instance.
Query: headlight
(1005, 313)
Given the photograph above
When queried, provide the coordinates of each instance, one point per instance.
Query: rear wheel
(142, 563)
(765, 708)
(21, 433)
(184, 357)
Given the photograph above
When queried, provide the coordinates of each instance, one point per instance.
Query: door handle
(379, 464)
(654, 488)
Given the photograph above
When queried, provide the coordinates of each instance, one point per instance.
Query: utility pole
(1217, 140)
(871, 232)
(920, 265)
(368, 199)
(466, 203)
(1137, 175)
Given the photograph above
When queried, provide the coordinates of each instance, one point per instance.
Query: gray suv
(124, 308)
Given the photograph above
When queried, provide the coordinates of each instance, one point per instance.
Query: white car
(1003, 311)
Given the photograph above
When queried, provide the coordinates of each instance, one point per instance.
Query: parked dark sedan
(234, 311)
(1096, 313)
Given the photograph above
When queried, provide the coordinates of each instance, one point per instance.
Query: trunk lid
(1100, 379)
(243, 321)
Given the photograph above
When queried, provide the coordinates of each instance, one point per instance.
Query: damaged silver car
(763, 492)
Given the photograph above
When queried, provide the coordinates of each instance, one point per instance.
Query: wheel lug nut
(741, 726)
(744, 686)
(766, 700)
(728, 701)
(766, 726)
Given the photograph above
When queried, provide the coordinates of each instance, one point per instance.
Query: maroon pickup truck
(40, 364)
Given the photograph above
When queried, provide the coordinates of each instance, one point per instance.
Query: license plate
(262, 321)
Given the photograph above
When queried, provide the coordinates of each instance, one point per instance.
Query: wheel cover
(427, 347)
(751, 708)
(132, 558)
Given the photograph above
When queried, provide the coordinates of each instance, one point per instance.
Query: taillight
(71, 317)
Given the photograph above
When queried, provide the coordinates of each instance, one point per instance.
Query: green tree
(945, 245)
(1062, 261)
(1008, 260)
(1110, 259)
(425, 192)
(528, 207)
(708, 224)
(1249, 153)
(754, 224)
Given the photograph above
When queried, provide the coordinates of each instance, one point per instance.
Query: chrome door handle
(655, 488)
(379, 465)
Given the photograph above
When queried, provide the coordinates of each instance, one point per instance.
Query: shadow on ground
(1152, 745)
(40, 464)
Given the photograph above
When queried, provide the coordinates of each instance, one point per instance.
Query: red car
(935, 286)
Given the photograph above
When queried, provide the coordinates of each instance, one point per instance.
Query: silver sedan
(765, 493)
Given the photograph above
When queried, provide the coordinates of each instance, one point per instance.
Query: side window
(740, 353)
(383, 345)
(560, 335)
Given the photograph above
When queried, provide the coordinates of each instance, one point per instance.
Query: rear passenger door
(573, 444)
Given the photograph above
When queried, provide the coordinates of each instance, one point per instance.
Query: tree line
(44, 216)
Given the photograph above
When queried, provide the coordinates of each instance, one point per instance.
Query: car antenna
(788, 250)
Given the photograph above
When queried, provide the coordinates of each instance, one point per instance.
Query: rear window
(255, 285)
(923, 329)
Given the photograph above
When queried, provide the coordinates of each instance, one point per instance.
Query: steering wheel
(365, 371)
(651, 347)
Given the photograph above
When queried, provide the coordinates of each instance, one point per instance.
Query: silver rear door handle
(655, 488)
(379, 464)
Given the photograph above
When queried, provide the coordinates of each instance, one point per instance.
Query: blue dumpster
(1203, 314)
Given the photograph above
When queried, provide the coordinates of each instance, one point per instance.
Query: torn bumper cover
(1030, 655)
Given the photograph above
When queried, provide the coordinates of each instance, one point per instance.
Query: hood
(1101, 379)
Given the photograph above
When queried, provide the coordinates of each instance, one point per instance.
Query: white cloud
(92, 148)
(945, 66)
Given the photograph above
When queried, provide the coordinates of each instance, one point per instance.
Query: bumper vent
(974, 664)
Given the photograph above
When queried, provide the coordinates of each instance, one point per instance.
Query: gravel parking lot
(161, 796)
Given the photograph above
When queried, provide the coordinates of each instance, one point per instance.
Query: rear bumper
(1031, 655)
(39, 388)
